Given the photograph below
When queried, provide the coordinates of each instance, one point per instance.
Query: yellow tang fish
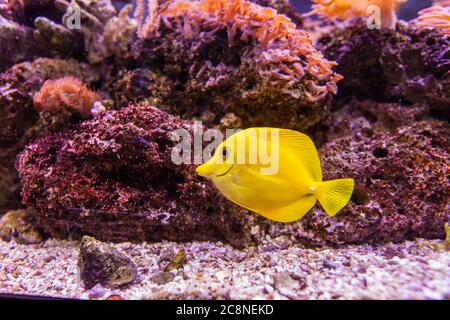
(275, 173)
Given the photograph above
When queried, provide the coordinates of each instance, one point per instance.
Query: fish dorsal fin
(292, 212)
(303, 149)
(299, 145)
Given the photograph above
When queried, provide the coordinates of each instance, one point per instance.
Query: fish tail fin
(333, 195)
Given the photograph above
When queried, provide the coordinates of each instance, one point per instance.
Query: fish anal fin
(292, 212)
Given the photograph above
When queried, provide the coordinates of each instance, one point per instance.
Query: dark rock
(402, 187)
(407, 65)
(17, 226)
(162, 278)
(16, 43)
(124, 185)
(363, 118)
(101, 263)
(20, 122)
(55, 37)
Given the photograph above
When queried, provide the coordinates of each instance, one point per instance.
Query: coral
(141, 84)
(443, 3)
(345, 9)
(436, 17)
(66, 93)
(16, 225)
(25, 11)
(105, 33)
(19, 121)
(16, 43)
(57, 38)
(401, 192)
(236, 57)
(113, 178)
(407, 65)
(101, 263)
(282, 7)
(28, 31)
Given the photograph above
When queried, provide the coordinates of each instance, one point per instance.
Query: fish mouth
(226, 172)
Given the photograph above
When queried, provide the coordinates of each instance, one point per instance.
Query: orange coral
(345, 9)
(279, 41)
(442, 3)
(67, 92)
(436, 17)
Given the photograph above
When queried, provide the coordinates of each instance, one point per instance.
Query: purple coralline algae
(19, 120)
(401, 187)
(409, 65)
(114, 178)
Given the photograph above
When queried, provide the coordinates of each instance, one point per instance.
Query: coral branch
(66, 92)
(436, 17)
(346, 9)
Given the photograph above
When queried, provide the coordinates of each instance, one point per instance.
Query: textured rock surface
(20, 122)
(407, 65)
(16, 43)
(101, 263)
(113, 178)
(17, 226)
(402, 187)
(361, 118)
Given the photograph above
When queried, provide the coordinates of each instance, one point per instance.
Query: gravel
(276, 269)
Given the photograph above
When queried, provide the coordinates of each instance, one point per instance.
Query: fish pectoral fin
(292, 212)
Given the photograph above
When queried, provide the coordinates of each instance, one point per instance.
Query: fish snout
(203, 170)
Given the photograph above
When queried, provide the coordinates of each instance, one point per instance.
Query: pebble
(300, 273)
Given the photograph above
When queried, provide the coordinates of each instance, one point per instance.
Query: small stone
(98, 109)
(15, 225)
(101, 263)
(329, 264)
(97, 292)
(286, 285)
(177, 262)
(49, 258)
(162, 278)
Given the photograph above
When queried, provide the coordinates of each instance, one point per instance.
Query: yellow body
(284, 195)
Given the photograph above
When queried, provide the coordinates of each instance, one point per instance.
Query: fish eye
(225, 153)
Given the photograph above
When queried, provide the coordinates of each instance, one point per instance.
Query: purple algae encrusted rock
(19, 121)
(361, 118)
(216, 59)
(408, 65)
(16, 43)
(31, 29)
(401, 192)
(113, 178)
